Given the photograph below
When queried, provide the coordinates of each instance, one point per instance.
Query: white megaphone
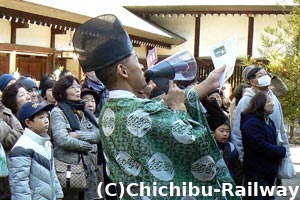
(181, 66)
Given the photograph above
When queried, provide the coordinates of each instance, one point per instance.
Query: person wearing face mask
(259, 81)
(277, 85)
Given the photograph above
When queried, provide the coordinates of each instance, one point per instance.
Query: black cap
(101, 42)
(215, 115)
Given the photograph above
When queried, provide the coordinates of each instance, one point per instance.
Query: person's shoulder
(56, 109)
(6, 111)
(23, 147)
(250, 120)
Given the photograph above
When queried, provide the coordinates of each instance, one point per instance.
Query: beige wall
(35, 35)
(183, 26)
(5, 31)
(213, 29)
(260, 22)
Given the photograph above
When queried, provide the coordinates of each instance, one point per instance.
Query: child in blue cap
(31, 167)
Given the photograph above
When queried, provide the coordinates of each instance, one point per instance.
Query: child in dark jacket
(220, 126)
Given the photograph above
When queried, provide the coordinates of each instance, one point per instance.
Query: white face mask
(264, 81)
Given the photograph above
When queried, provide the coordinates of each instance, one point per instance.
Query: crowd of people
(123, 129)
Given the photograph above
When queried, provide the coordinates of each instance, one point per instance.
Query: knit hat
(101, 42)
(5, 79)
(238, 91)
(215, 115)
(28, 83)
(245, 72)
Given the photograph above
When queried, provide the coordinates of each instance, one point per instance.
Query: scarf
(68, 106)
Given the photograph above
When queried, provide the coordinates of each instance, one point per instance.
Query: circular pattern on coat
(183, 132)
(204, 169)
(161, 167)
(139, 123)
(108, 122)
(128, 164)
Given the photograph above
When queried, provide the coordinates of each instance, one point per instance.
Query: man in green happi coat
(146, 142)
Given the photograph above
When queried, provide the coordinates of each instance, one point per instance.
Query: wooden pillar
(12, 62)
(53, 33)
(13, 34)
(250, 35)
(197, 36)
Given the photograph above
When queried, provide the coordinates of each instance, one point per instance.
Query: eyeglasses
(74, 87)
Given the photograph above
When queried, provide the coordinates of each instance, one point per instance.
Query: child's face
(221, 134)
(40, 123)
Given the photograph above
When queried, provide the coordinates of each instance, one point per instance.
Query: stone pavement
(295, 156)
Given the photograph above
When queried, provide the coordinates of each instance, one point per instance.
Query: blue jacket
(31, 169)
(262, 154)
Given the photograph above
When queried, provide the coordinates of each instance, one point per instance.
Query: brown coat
(10, 131)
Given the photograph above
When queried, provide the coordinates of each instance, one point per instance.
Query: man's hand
(210, 83)
(175, 97)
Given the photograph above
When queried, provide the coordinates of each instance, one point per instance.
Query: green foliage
(281, 47)
(247, 60)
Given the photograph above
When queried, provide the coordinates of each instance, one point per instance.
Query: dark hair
(60, 87)
(257, 104)
(252, 73)
(238, 92)
(216, 91)
(108, 75)
(63, 73)
(9, 96)
(44, 78)
(46, 85)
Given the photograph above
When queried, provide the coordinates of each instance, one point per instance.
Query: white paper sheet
(224, 53)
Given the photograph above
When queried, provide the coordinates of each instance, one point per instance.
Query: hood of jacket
(249, 92)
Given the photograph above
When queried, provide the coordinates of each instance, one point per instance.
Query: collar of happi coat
(121, 94)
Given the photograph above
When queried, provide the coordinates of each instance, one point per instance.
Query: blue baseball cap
(29, 109)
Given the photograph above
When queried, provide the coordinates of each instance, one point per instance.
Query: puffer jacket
(31, 168)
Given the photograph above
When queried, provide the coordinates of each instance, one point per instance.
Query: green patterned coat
(145, 141)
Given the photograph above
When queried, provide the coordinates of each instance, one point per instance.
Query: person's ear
(122, 71)
(253, 82)
(28, 123)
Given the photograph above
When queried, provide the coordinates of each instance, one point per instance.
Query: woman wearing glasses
(75, 133)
